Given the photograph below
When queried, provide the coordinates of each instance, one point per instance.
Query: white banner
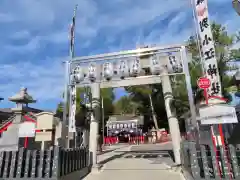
(208, 49)
(72, 110)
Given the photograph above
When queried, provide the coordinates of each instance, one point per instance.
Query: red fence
(138, 139)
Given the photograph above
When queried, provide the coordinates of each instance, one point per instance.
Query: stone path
(123, 164)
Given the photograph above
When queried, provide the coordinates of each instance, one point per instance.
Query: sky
(35, 37)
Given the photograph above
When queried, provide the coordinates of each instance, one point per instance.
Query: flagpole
(67, 79)
(72, 52)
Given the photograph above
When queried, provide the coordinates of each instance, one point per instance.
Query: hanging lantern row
(124, 68)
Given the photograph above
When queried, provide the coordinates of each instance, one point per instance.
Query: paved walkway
(122, 164)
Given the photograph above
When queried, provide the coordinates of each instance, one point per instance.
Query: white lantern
(155, 65)
(92, 72)
(107, 70)
(174, 65)
(78, 74)
(135, 67)
(123, 69)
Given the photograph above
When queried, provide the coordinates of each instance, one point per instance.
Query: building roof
(6, 110)
(25, 108)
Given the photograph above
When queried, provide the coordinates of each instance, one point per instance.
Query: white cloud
(6, 18)
(44, 81)
(23, 34)
(32, 45)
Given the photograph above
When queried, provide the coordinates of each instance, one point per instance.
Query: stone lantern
(21, 98)
(10, 138)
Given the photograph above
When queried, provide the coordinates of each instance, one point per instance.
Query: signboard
(121, 126)
(218, 114)
(27, 129)
(45, 120)
(203, 83)
(209, 54)
(43, 136)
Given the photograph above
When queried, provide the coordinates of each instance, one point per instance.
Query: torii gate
(163, 62)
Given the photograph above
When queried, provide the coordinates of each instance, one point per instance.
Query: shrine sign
(208, 58)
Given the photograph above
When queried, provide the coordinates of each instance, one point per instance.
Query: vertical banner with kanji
(208, 50)
(72, 110)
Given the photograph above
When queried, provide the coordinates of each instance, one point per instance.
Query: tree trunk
(153, 112)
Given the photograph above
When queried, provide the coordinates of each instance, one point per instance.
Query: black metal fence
(56, 163)
(207, 162)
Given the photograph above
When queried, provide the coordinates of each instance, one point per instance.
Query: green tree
(125, 105)
(226, 57)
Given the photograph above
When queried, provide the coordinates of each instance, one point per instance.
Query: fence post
(55, 166)
(13, 162)
(82, 158)
(27, 163)
(48, 163)
(234, 160)
(1, 161)
(74, 159)
(66, 167)
(78, 158)
(71, 161)
(225, 164)
(20, 160)
(40, 166)
(63, 162)
(205, 162)
(85, 158)
(194, 161)
(7, 158)
(33, 171)
(217, 173)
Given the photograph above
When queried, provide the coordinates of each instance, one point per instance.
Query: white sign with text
(218, 114)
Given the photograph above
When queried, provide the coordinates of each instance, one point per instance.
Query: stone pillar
(85, 137)
(95, 117)
(172, 120)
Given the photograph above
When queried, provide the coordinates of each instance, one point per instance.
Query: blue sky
(34, 36)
